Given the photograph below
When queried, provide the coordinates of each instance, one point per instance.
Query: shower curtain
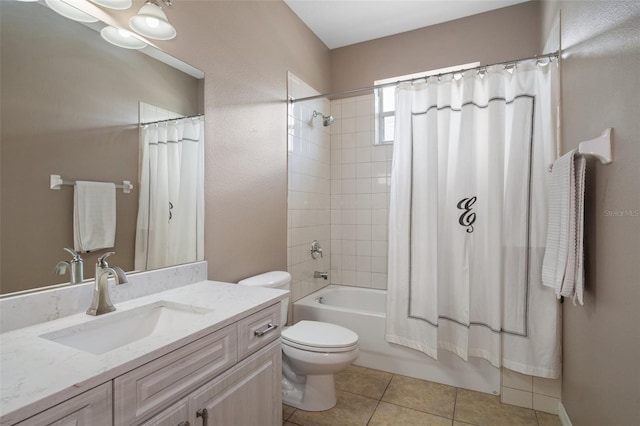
(467, 221)
(170, 227)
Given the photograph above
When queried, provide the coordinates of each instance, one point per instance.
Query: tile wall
(309, 215)
(530, 392)
(360, 179)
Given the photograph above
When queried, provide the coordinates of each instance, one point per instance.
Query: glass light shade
(69, 11)
(122, 38)
(152, 22)
(114, 4)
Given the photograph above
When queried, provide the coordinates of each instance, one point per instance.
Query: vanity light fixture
(114, 4)
(152, 22)
(122, 38)
(69, 11)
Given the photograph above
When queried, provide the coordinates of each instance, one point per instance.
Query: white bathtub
(363, 311)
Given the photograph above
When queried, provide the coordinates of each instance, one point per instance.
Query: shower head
(326, 119)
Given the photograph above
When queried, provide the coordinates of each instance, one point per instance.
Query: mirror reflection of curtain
(170, 227)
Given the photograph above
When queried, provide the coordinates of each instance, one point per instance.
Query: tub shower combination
(363, 310)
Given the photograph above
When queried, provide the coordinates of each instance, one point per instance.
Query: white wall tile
(548, 387)
(546, 403)
(516, 380)
(517, 397)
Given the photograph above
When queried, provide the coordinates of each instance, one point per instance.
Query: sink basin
(120, 328)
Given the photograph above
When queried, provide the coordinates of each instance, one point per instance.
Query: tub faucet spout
(323, 275)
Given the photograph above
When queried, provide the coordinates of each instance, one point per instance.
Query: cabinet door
(92, 408)
(145, 391)
(248, 395)
(176, 415)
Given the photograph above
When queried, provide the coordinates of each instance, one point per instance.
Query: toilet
(312, 352)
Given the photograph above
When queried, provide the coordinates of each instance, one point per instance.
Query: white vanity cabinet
(204, 384)
(93, 407)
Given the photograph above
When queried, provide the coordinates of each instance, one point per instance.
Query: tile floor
(369, 397)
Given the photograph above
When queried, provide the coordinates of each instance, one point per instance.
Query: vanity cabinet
(204, 383)
(93, 407)
(247, 395)
(229, 377)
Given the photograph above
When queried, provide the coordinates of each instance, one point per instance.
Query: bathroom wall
(360, 183)
(246, 49)
(308, 143)
(499, 35)
(600, 87)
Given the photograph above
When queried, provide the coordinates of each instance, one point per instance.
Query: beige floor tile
(287, 411)
(482, 409)
(351, 410)
(546, 419)
(421, 395)
(289, 424)
(394, 415)
(363, 381)
(457, 423)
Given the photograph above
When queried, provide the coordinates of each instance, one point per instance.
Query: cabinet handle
(204, 414)
(270, 327)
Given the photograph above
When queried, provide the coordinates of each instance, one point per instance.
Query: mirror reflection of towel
(94, 216)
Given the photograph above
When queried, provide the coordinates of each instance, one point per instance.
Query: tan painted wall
(500, 35)
(245, 49)
(69, 107)
(600, 89)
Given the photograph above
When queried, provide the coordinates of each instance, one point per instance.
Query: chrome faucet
(74, 265)
(101, 301)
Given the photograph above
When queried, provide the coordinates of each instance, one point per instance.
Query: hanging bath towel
(563, 268)
(94, 216)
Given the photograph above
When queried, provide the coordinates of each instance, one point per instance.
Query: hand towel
(94, 216)
(563, 267)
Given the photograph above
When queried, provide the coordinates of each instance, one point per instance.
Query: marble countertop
(36, 373)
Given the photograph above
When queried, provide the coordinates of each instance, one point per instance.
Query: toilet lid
(320, 335)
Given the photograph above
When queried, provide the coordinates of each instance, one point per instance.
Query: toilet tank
(274, 279)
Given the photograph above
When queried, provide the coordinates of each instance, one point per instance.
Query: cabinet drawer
(90, 408)
(257, 330)
(148, 389)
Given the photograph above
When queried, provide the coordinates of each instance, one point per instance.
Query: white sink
(120, 328)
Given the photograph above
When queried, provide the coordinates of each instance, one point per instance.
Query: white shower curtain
(170, 228)
(467, 223)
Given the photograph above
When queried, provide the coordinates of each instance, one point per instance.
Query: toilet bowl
(312, 352)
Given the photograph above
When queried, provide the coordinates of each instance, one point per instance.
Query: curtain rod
(171, 119)
(379, 86)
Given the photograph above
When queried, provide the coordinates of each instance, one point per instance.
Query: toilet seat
(315, 336)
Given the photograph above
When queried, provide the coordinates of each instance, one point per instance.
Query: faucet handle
(102, 260)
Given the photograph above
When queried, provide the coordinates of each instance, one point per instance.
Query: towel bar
(56, 181)
(599, 148)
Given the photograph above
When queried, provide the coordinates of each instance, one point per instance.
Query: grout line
(455, 404)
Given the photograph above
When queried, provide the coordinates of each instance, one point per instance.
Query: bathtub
(363, 311)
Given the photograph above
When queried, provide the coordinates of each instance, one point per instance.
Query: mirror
(70, 107)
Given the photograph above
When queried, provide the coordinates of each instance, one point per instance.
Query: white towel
(94, 216)
(562, 267)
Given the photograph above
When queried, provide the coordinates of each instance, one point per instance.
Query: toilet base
(316, 393)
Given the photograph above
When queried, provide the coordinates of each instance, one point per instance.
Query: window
(385, 100)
